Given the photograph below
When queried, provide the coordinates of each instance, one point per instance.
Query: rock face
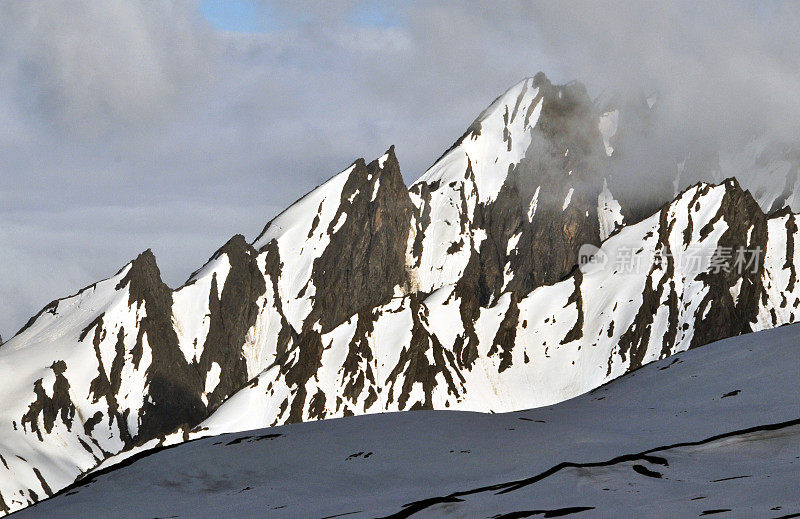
(548, 204)
(525, 176)
(460, 292)
(365, 263)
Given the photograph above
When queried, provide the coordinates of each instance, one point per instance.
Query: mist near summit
(135, 125)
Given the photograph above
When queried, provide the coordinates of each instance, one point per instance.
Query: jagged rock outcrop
(365, 263)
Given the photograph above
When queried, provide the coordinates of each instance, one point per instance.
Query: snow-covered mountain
(460, 292)
(711, 429)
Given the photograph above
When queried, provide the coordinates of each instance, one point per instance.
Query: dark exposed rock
(231, 316)
(374, 235)
(359, 354)
(365, 259)
(423, 218)
(59, 405)
(560, 169)
(47, 490)
(722, 316)
(306, 363)
(633, 342)
(466, 346)
(415, 366)
(718, 315)
(174, 385)
(506, 335)
(576, 332)
(107, 386)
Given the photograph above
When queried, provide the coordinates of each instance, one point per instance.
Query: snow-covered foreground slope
(714, 428)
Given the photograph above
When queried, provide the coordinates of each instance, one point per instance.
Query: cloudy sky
(174, 124)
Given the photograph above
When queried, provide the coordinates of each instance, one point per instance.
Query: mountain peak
(144, 279)
(540, 79)
(237, 243)
(145, 260)
(386, 165)
(388, 156)
(311, 206)
(497, 140)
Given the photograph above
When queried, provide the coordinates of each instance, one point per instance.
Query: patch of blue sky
(247, 16)
(375, 14)
(252, 16)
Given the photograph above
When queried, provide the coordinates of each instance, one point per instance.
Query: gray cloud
(722, 67)
(128, 125)
(93, 67)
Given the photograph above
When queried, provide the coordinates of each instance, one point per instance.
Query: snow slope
(710, 429)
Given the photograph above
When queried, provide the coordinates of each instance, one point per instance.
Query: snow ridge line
(413, 508)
